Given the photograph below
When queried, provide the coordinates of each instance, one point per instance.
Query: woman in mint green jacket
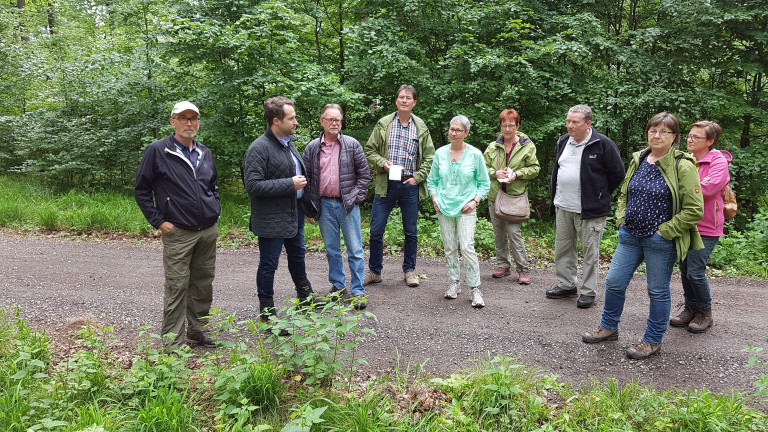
(457, 182)
(511, 162)
(658, 209)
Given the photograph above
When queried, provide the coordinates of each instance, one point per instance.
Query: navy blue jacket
(268, 171)
(602, 171)
(183, 196)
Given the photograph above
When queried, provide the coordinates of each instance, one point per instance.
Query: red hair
(509, 115)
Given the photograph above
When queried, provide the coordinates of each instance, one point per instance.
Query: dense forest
(86, 85)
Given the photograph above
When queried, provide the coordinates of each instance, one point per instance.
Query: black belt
(333, 198)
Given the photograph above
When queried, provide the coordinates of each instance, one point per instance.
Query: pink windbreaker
(714, 176)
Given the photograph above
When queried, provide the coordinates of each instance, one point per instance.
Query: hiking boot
(501, 272)
(411, 279)
(702, 321)
(685, 316)
(642, 350)
(359, 302)
(523, 278)
(558, 292)
(270, 325)
(308, 298)
(200, 339)
(338, 294)
(453, 290)
(477, 298)
(371, 278)
(600, 335)
(585, 301)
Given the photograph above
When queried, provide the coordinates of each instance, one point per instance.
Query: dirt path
(59, 282)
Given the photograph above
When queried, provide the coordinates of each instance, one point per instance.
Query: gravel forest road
(60, 282)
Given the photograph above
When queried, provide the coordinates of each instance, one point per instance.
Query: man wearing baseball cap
(177, 192)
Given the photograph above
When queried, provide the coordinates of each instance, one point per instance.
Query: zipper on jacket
(194, 174)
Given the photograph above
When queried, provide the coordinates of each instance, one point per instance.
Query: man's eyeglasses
(192, 120)
(332, 120)
(661, 133)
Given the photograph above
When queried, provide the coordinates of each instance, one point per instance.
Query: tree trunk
(21, 4)
(51, 19)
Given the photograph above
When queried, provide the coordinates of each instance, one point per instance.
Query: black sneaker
(270, 325)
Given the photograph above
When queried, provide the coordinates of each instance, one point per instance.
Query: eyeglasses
(694, 137)
(508, 126)
(192, 120)
(332, 120)
(456, 131)
(662, 133)
(405, 98)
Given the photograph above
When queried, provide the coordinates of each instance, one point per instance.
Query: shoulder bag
(511, 208)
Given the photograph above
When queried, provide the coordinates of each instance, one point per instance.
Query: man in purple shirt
(337, 182)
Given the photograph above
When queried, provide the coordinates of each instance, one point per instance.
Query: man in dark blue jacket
(177, 192)
(274, 176)
(587, 169)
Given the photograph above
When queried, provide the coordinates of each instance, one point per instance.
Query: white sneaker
(477, 298)
(453, 290)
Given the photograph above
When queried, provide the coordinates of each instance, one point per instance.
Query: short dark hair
(510, 115)
(409, 88)
(274, 108)
(712, 129)
(668, 120)
(332, 106)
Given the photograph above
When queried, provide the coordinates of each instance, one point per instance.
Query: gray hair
(332, 106)
(585, 111)
(462, 120)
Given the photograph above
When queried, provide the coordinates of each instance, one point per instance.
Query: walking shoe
(501, 272)
(477, 298)
(523, 278)
(337, 294)
(702, 321)
(359, 302)
(200, 338)
(558, 292)
(600, 335)
(270, 325)
(642, 350)
(411, 279)
(684, 317)
(453, 290)
(308, 298)
(585, 301)
(371, 278)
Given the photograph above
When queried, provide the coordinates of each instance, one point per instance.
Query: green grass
(249, 384)
(28, 205)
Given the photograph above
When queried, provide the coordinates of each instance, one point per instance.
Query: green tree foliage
(85, 85)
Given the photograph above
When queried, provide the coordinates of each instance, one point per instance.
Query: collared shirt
(192, 155)
(568, 188)
(285, 141)
(329, 168)
(456, 183)
(403, 145)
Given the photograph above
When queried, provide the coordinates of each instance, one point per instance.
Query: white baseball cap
(183, 106)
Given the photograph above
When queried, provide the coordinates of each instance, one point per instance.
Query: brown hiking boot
(501, 272)
(600, 335)
(371, 278)
(523, 278)
(642, 350)
(702, 321)
(685, 316)
(201, 339)
(411, 279)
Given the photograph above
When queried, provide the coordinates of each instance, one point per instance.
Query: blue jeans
(269, 256)
(407, 196)
(693, 272)
(333, 220)
(659, 256)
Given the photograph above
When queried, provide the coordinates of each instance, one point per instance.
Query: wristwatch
(476, 201)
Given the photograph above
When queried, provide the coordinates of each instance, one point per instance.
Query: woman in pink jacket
(713, 173)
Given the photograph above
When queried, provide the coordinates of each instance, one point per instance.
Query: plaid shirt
(403, 145)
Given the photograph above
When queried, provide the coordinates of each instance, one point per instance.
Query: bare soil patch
(62, 283)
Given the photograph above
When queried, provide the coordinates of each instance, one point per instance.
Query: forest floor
(59, 283)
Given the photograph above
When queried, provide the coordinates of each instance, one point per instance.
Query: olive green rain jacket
(523, 161)
(682, 178)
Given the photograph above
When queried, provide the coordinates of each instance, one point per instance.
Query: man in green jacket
(399, 153)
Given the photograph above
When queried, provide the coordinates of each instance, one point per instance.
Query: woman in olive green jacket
(511, 163)
(658, 209)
